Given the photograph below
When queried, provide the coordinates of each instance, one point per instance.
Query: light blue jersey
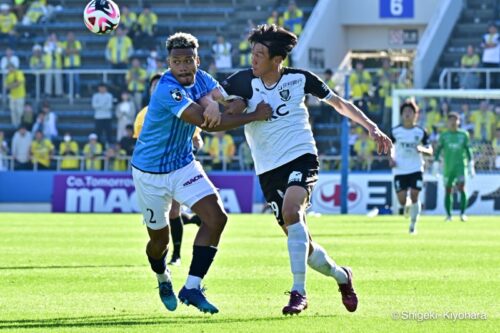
(165, 143)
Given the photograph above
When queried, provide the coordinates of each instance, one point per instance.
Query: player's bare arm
(210, 103)
(194, 115)
(346, 108)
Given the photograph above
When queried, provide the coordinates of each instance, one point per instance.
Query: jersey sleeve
(239, 84)
(425, 137)
(316, 87)
(172, 97)
(210, 84)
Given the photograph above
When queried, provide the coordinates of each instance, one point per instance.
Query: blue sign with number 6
(396, 9)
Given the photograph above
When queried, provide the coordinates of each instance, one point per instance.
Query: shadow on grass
(68, 267)
(134, 320)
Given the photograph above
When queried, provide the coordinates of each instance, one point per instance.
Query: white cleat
(448, 218)
(463, 217)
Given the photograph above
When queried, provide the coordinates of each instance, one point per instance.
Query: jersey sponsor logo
(285, 95)
(295, 176)
(291, 83)
(176, 94)
(192, 180)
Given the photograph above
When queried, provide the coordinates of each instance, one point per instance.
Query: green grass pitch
(88, 273)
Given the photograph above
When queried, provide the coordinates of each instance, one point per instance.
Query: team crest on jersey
(285, 95)
(176, 94)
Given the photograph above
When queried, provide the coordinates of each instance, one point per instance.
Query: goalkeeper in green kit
(455, 146)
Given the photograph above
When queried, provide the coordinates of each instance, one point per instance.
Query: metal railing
(446, 76)
(37, 73)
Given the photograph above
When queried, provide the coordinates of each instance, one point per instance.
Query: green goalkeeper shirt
(455, 147)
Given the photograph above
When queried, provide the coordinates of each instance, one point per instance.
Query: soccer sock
(447, 203)
(322, 263)
(415, 212)
(176, 229)
(202, 259)
(463, 202)
(297, 250)
(158, 265)
(401, 210)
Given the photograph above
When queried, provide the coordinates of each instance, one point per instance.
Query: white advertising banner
(367, 191)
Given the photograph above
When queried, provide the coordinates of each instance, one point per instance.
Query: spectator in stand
(116, 158)
(125, 114)
(8, 23)
(465, 123)
(245, 51)
(4, 152)
(328, 76)
(433, 117)
(136, 82)
(360, 82)
(53, 62)
(496, 148)
(292, 18)
(470, 60)
(102, 103)
(69, 151)
(152, 63)
(9, 58)
(28, 117)
(275, 18)
(221, 148)
(484, 121)
(127, 142)
(222, 53)
(118, 52)
(36, 60)
(21, 147)
(37, 12)
(491, 53)
(147, 22)
(365, 148)
(16, 86)
(128, 20)
(92, 152)
(71, 49)
(42, 150)
(46, 122)
(245, 156)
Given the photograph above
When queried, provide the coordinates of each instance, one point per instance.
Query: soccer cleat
(349, 297)
(196, 297)
(412, 230)
(463, 217)
(167, 295)
(296, 305)
(448, 218)
(175, 261)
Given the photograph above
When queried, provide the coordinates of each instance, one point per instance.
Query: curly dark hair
(182, 40)
(279, 41)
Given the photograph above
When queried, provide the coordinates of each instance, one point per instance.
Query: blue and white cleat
(196, 297)
(167, 295)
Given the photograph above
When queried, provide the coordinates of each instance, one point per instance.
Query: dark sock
(447, 203)
(176, 229)
(401, 210)
(158, 265)
(195, 219)
(463, 202)
(202, 259)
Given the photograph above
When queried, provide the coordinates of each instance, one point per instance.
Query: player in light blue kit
(164, 168)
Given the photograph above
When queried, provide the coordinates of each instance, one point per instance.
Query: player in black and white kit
(285, 154)
(410, 142)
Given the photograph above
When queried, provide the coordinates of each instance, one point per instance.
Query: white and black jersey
(288, 134)
(408, 159)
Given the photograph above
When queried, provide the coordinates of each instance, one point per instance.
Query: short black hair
(328, 71)
(182, 40)
(279, 41)
(409, 104)
(454, 115)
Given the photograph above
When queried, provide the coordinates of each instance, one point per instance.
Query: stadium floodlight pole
(344, 177)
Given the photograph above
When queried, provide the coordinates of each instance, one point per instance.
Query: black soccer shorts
(412, 180)
(302, 171)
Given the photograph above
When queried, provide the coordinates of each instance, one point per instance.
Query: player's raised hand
(212, 115)
(263, 111)
(384, 143)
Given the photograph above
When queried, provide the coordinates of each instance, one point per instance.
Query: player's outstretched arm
(194, 115)
(346, 108)
(426, 150)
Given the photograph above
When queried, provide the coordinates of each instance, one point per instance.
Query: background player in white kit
(285, 154)
(410, 142)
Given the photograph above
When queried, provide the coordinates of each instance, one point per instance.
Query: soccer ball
(101, 16)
